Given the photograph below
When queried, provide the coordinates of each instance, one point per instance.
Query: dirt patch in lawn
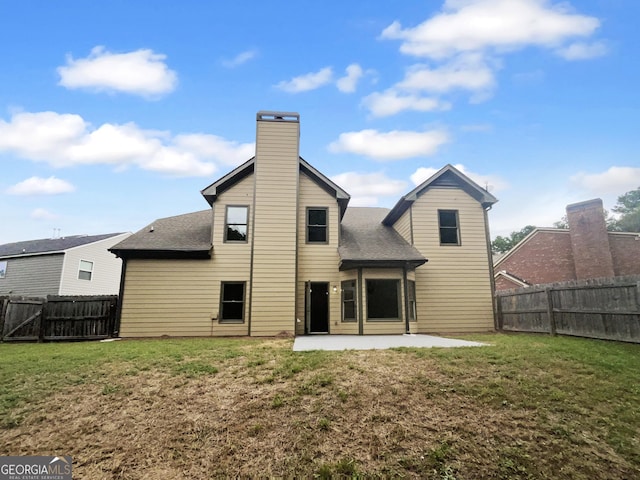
(375, 413)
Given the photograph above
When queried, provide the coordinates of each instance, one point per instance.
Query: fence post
(3, 313)
(499, 312)
(550, 316)
(43, 319)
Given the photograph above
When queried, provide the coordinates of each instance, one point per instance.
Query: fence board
(59, 318)
(601, 308)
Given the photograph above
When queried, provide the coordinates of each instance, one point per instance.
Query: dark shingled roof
(182, 236)
(365, 241)
(50, 245)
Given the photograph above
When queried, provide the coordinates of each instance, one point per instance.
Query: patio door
(317, 307)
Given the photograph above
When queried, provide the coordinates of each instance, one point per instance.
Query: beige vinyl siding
(274, 230)
(182, 297)
(318, 262)
(453, 290)
(403, 226)
(381, 327)
(231, 261)
(107, 268)
(168, 297)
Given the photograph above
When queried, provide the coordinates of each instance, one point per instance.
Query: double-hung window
(232, 302)
(236, 221)
(317, 225)
(85, 271)
(449, 227)
(349, 301)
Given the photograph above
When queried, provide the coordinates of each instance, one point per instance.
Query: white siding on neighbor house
(275, 236)
(453, 289)
(182, 297)
(318, 262)
(37, 275)
(107, 269)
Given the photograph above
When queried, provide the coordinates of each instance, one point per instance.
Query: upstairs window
(235, 229)
(449, 227)
(85, 271)
(3, 269)
(232, 302)
(317, 225)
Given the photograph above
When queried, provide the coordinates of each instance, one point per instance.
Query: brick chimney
(589, 240)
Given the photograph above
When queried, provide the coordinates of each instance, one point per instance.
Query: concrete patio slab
(376, 342)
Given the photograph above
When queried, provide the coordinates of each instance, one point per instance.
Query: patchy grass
(527, 407)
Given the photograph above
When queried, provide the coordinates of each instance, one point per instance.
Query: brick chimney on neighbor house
(589, 240)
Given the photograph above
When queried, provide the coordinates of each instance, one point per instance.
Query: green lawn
(529, 406)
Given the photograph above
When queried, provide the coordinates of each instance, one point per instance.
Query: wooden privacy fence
(57, 318)
(603, 308)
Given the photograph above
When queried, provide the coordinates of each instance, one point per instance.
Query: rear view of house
(71, 265)
(278, 251)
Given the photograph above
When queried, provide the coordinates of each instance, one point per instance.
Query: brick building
(585, 250)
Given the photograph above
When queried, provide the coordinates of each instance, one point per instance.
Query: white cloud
(391, 102)
(615, 180)
(64, 140)
(466, 72)
(42, 214)
(499, 25)
(309, 81)
(241, 58)
(41, 186)
(227, 152)
(394, 145)
(366, 188)
(141, 72)
(494, 182)
(583, 51)
(347, 84)
(467, 39)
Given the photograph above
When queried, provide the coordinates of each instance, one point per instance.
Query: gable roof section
(212, 192)
(366, 242)
(448, 177)
(512, 278)
(525, 240)
(182, 236)
(49, 245)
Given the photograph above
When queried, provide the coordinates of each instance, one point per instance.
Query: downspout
(123, 272)
(360, 316)
(406, 299)
(490, 259)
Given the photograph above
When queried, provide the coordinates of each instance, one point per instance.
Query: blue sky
(113, 114)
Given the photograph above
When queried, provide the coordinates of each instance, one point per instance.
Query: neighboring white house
(74, 265)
